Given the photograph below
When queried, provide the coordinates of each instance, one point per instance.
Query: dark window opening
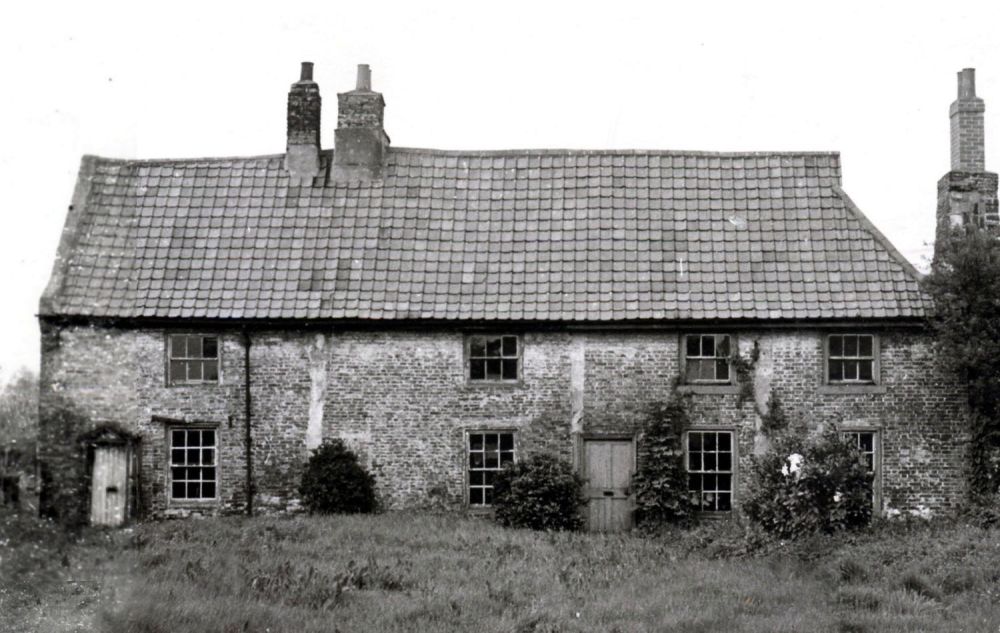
(710, 469)
(493, 358)
(193, 359)
(706, 358)
(488, 453)
(193, 464)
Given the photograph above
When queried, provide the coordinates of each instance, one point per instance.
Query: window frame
(467, 466)
(876, 461)
(849, 386)
(733, 471)
(704, 386)
(468, 358)
(170, 382)
(186, 501)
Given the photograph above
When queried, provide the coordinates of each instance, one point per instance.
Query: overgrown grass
(420, 572)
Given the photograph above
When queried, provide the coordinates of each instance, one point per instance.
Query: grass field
(419, 572)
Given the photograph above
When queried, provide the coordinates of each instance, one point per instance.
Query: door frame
(581, 453)
(113, 435)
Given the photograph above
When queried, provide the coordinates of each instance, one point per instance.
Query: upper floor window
(852, 358)
(494, 358)
(706, 358)
(193, 358)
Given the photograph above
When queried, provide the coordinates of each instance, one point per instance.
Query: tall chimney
(361, 143)
(967, 143)
(302, 151)
(968, 193)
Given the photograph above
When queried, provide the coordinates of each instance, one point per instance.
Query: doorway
(608, 468)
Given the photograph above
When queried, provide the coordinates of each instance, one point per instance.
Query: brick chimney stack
(968, 193)
(361, 143)
(302, 151)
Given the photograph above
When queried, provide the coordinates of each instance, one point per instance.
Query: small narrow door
(609, 468)
(109, 485)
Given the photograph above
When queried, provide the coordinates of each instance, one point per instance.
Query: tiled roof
(514, 235)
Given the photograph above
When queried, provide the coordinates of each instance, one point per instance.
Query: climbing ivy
(660, 482)
(744, 372)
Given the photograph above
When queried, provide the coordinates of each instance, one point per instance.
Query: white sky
(872, 80)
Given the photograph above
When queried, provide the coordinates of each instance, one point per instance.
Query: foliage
(660, 481)
(334, 481)
(18, 421)
(775, 419)
(965, 286)
(802, 486)
(744, 372)
(541, 492)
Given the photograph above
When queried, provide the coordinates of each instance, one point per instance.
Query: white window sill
(708, 388)
(850, 389)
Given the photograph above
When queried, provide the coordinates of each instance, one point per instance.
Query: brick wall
(401, 399)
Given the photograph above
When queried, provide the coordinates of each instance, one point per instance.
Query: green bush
(805, 486)
(542, 492)
(334, 481)
(660, 482)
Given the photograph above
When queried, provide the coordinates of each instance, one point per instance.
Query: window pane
(208, 437)
(489, 476)
(493, 369)
(476, 441)
(194, 347)
(208, 456)
(725, 482)
(709, 461)
(493, 347)
(866, 345)
(836, 346)
(177, 457)
(477, 346)
(865, 370)
(475, 460)
(194, 370)
(476, 496)
(693, 349)
(210, 369)
(208, 474)
(506, 441)
(723, 350)
(210, 347)
(177, 490)
(178, 346)
(724, 501)
(708, 482)
(850, 370)
(193, 490)
(193, 456)
(177, 371)
(510, 346)
(725, 442)
(476, 478)
(708, 346)
(492, 459)
(836, 370)
(506, 457)
(694, 482)
(208, 489)
(694, 461)
(866, 441)
(850, 346)
(722, 370)
(694, 441)
(193, 437)
(725, 461)
(177, 438)
(477, 369)
(487, 496)
(510, 369)
(709, 441)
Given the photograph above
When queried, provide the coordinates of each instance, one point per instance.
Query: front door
(109, 485)
(609, 465)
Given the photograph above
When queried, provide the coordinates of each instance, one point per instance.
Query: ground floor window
(193, 464)
(867, 444)
(710, 468)
(488, 453)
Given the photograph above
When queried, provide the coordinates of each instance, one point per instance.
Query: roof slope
(519, 235)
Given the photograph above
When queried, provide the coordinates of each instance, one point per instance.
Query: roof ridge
(877, 234)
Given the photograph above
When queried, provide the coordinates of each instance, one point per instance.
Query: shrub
(805, 486)
(660, 482)
(334, 481)
(541, 492)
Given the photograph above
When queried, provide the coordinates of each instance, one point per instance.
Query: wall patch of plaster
(317, 391)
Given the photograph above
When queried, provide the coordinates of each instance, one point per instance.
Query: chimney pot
(364, 77)
(307, 71)
(967, 83)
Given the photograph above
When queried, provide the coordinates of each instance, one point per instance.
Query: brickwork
(402, 401)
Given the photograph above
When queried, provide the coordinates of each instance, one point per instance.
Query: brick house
(210, 321)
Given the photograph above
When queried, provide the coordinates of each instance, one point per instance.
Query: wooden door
(109, 485)
(609, 467)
